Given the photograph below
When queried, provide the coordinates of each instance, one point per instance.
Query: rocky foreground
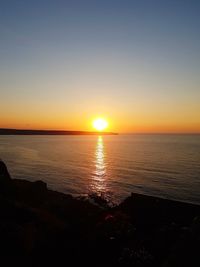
(41, 227)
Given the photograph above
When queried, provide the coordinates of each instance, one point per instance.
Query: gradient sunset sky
(136, 63)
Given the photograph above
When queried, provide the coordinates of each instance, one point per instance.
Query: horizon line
(12, 131)
(96, 132)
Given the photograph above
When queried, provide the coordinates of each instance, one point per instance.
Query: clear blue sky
(135, 62)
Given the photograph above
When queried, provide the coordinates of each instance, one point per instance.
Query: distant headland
(50, 132)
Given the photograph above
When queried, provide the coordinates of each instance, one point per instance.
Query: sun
(100, 124)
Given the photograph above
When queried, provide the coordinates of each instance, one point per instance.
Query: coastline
(42, 227)
(50, 132)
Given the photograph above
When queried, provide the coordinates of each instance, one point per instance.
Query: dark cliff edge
(41, 227)
(50, 132)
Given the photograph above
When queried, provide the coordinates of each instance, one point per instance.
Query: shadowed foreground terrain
(41, 227)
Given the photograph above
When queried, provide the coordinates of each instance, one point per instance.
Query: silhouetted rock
(5, 180)
(41, 227)
(195, 228)
(4, 174)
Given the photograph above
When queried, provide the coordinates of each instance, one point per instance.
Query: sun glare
(100, 124)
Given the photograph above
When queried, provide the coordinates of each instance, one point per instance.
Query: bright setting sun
(100, 124)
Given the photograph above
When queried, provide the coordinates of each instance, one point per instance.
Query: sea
(113, 166)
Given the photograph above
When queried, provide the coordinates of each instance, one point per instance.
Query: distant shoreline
(50, 132)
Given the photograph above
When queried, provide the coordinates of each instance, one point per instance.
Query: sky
(65, 62)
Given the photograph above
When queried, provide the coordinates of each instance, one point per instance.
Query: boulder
(4, 174)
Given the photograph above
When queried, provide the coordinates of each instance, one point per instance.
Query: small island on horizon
(4, 131)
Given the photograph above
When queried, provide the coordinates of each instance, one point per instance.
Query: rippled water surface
(163, 165)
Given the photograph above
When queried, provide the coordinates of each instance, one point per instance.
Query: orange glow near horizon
(120, 126)
(120, 122)
(135, 66)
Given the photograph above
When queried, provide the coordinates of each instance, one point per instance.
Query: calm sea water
(160, 165)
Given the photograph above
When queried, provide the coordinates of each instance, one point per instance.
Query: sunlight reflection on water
(98, 183)
(112, 166)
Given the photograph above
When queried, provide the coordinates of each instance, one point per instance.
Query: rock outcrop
(41, 227)
(4, 174)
